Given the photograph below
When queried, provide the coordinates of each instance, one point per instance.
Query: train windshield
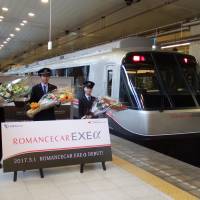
(160, 80)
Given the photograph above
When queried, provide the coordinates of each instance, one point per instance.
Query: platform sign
(43, 144)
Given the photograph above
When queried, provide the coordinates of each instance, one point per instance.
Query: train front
(161, 91)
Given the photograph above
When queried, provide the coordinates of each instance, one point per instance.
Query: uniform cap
(89, 84)
(44, 71)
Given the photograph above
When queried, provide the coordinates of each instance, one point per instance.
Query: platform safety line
(165, 187)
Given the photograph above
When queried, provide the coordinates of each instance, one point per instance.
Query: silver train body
(107, 64)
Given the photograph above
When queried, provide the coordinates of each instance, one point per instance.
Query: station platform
(135, 173)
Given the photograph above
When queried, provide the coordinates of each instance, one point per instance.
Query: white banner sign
(32, 138)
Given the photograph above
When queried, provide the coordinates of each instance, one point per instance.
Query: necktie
(44, 89)
(89, 98)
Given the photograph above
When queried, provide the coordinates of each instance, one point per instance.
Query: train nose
(155, 123)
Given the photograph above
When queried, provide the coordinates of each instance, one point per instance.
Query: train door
(111, 79)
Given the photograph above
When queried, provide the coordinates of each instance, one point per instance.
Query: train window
(189, 67)
(60, 72)
(161, 80)
(53, 72)
(173, 78)
(124, 92)
(144, 79)
(109, 82)
(80, 75)
(170, 73)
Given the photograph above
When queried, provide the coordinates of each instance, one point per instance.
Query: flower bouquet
(49, 100)
(102, 105)
(12, 90)
(4, 92)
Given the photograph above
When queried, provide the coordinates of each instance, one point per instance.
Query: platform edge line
(167, 188)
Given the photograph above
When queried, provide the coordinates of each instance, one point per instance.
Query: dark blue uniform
(36, 95)
(85, 105)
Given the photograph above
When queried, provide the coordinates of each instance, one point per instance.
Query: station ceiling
(84, 18)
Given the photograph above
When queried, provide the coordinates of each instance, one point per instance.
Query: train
(160, 89)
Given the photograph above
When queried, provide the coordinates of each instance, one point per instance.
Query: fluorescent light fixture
(12, 35)
(154, 47)
(2, 45)
(1, 20)
(22, 24)
(4, 9)
(45, 1)
(1, 17)
(8, 39)
(24, 21)
(31, 14)
(17, 29)
(175, 45)
(49, 45)
(5, 42)
(73, 33)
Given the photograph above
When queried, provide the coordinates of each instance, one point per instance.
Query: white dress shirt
(88, 97)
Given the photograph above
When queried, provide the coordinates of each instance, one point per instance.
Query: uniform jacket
(85, 105)
(36, 95)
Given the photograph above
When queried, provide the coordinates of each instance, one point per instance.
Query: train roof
(131, 44)
(127, 44)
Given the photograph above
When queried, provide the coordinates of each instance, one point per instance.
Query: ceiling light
(4, 9)
(1, 20)
(22, 24)
(17, 29)
(50, 27)
(154, 47)
(8, 39)
(175, 45)
(45, 1)
(5, 42)
(2, 45)
(24, 21)
(31, 14)
(1, 17)
(12, 35)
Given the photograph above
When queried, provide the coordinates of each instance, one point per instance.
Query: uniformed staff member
(86, 100)
(39, 90)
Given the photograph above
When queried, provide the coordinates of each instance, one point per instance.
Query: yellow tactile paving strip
(165, 187)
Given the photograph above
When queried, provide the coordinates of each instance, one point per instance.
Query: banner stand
(15, 174)
(83, 164)
(46, 144)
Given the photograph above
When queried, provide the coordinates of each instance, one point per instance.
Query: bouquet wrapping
(102, 104)
(49, 100)
(17, 88)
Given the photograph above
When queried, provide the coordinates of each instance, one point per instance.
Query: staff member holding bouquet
(41, 89)
(86, 101)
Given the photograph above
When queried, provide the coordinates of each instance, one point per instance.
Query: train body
(160, 89)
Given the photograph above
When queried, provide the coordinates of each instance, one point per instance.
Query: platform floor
(177, 173)
(130, 176)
